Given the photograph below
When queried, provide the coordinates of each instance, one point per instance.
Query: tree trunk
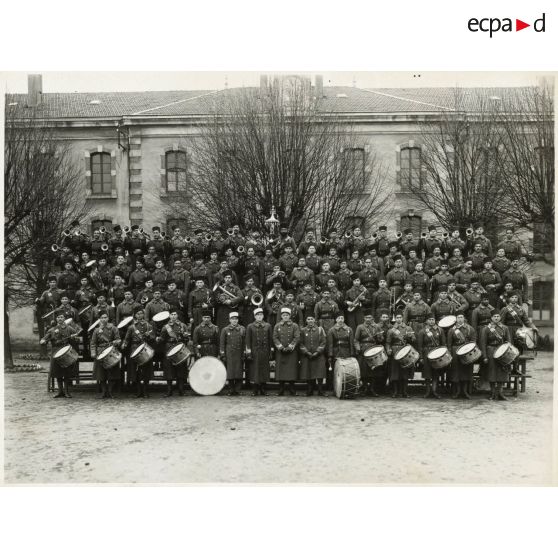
(8, 358)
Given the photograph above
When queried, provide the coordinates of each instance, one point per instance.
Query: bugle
(374, 236)
(230, 232)
(103, 230)
(127, 229)
(55, 247)
(144, 300)
(423, 235)
(348, 234)
(66, 232)
(323, 240)
(398, 235)
(163, 234)
(208, 237)
(445, 235)
(104, 247)
(257, 299)
(469, 232)
(270, 295)
(188, 239)
(240, 250)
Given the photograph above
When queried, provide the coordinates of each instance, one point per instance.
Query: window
(355, 165)
(101, 179)
(175, 165)
(410, 168)
(181, 223)
(543, 300)
(542, 238)
(414, 223)
(95, 225)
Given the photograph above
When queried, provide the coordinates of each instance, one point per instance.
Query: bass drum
(346, 378)
(208, 376)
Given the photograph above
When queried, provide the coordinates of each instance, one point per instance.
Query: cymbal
(207, 376)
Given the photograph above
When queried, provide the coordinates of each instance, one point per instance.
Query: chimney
(263, 84)
(319, 87)
(34, 90)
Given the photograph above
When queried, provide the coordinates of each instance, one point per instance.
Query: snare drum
(161, 318)
(439, 358)
(142, 355)
(505, 354)
(447, 321)
(346, 378)
(527, 337)
(468, 353)
(66, 356)
(109, 358)
(407, 356)
(178, 354)
(375, 356)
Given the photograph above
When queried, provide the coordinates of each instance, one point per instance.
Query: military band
(255, 302)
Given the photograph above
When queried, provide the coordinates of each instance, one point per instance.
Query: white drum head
(402, 353)
(175, 350)
(437, 353)
(62, 351)
(138, 350)
(467, 348)
(373, 351)
(208, 376)
(104, 353)
(501, 350)
(94, 325)
(447, 321)
(161, 316)
(125, 322)
(337, 383)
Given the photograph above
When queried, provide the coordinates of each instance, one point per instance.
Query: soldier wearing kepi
(461, 374)
(232, 348)
(259, 348)
(59, 336)
(286, 338)
(103, 337)
(367, 335)
(429, 338)
(137, 334)
(397, 337)
(312, 355)
(172, 334)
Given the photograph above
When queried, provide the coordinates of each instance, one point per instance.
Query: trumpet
(103, 230)
(230, 232)
(469, 232)
(423, 235)
(188, 239)
(257, 299)
(445, 235)
(104, 247)
(374, 236)
(240, 250)
(67, 232)
(208, 237)
(398, 235)
(127, 229)
(55, 247)
(146, 234)
(323, 240)
(348, 234)
(224, 294)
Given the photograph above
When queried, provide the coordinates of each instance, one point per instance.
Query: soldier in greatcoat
(172, 334)
(286, 338)
(259, 348)
(306, 301)
(397, 337)
(232, 348)
(430, 337)
(312, 355)
(206, 337)
(461, 375)
(104, 336)
(138, 333)
(60, 335)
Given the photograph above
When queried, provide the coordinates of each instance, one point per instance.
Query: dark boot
(292, 389)
(435, 393)
(169, 389)
(60, 385)
(320, 387)
(281, 389)
(263, 389)
(67, 384)
(139, 389)
(180, 383)
(146, 388)
(464, 390)
(492, 395)
(404, 393)
(256, 389)
(394, 390)
(237, 386)
(110, 387)
(310, 388)
(455, 390)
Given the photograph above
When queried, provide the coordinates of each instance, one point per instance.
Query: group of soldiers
(251, 301)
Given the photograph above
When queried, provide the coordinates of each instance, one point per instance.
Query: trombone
(392, 303)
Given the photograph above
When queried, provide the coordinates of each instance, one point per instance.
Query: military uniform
(396, 278)
(480, 317)
(232, 347)
(455, 264)
(421, 284)
(501, 265)
(137, 334)
(154, 307)
(247, 308)
(487, 278)
(478, 259)
(356, 316)
(441, 279)
(340, 342)
(442, 308)
(514, 317)
(325, 313)
(68, 282)
(182, 279)
(253, 267)
(463, 279)
(343, 279)
(97, 310)
(473, 298)
(286, 334)
(201, 272)
(177, 301)
(300, 276)
(512, 248)
(407, 245)
(103, 337)
(428, 339)
(137, 280)
(288, 262)
(486, 245)
(322, 279)
(432, 266)
(415, 315)
(123, 270)
(367, 336)
(259, 344)
(381, 300)
(223, 310)
(116, 294)
(126, 309)
(200, 299)
(160, 277)
(145, 295)
(370, 278)
(519, 281)
(429, 244)
(397, 338)
(333, 262)
(491, 337)
(173, 334)
(308, 302)
(458, 336)
(313, 364)
(206, 340)
(60, 336)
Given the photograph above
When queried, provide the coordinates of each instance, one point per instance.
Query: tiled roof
(199, 103)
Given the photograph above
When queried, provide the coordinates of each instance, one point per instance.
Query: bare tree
(526, 117)
(280, 149)
(460, 181)
(42, 187)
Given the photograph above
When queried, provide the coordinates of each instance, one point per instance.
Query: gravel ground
(247, 439)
